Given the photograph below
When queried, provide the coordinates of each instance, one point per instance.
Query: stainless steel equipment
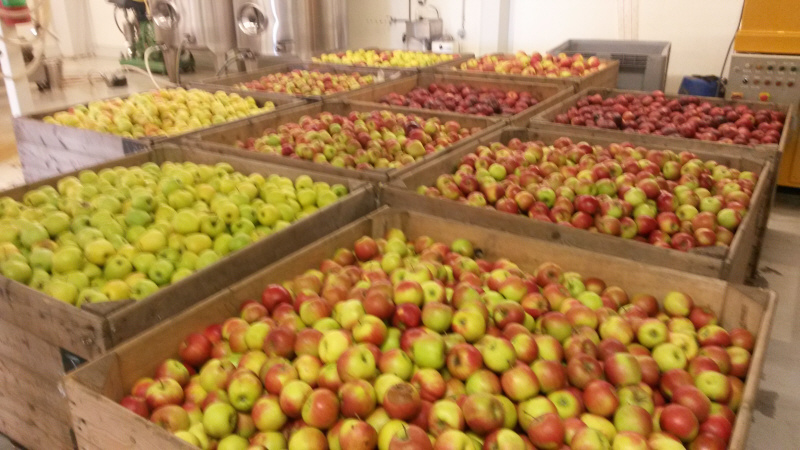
(290, 27)
(203, 26)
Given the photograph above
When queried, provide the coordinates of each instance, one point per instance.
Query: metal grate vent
(626, 61)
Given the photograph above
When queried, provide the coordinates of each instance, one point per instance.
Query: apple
(321, 409)
(219, 420)
(519, 383)
(357, 398)
(546, 431)
(401, 401)
(483, 413)
(679, 421)
(164, 391)
(358, 435)
(633, 418)
(292, 398)
(714, 385)
(463, 360)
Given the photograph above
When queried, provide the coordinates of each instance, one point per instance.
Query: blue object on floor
(706, 86)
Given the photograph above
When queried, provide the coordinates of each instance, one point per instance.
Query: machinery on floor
(766, 66)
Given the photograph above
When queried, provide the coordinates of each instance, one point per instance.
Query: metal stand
(17, 85)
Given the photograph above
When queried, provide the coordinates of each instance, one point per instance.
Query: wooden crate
(33, 405)
(604, 78)
(35, 327)
(547, 94)
(736, 263)
(230, 81)
(95, 389)
(93, 329)
(46, 150)
(790, 130)
(223, 139)
(458, 59)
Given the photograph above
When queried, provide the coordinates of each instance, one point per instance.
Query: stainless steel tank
(195, 25)
(290, 27)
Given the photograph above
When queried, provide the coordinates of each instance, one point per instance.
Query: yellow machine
(766, 67)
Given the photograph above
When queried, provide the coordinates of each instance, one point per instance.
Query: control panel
(764, 77)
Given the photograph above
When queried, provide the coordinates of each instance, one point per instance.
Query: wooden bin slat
(33, 409)
(547, 94)
(604, 78)
(95, 389)
(48, 149)
(222, 140)
(26, 349)
(735, 264)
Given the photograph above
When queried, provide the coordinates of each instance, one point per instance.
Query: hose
(147, 65)
(227, 63)
(127, 68)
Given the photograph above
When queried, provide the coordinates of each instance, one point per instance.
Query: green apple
(268, 214)
(56, 223)
(138, 217)
(142, 261)
(88, 235)
(41, 258)
(39, 279)
(219, 420)
(243, 226)
(188, 260)
(206, 258)
(143, 288)
(151, 241)
(99, 251)
(117, 267)
(78, 279)
(32, 233)
(161, 271)
(186, 221)
(16, 270)
(212, 226)
(133, 232)
(197, 243)
(67, 259)
(239, 241)
(90, 295)
(61, 290)
(143, 201)
(116, 290)
(179, 274)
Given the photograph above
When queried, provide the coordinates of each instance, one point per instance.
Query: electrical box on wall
(444, 47)
(765, 77)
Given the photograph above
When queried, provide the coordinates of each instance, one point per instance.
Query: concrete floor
(777, 418)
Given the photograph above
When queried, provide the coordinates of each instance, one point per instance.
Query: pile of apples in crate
(360, 140)
(689, 117)
(384, 58)
(667, 199)
(464, 99)
(126, 232)
(308, 82)
(159, 113)
(398, 344)
(536, 64)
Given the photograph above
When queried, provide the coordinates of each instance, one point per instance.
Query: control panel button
(778, 83)
(756, 82)
(737, 95)
(790, 83)
(767, 82)
(745, 80)
(764, 96)
(769, 67)
(793, 69)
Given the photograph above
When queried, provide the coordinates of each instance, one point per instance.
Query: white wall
(700, 31)
(699, 39)
(106, 39)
